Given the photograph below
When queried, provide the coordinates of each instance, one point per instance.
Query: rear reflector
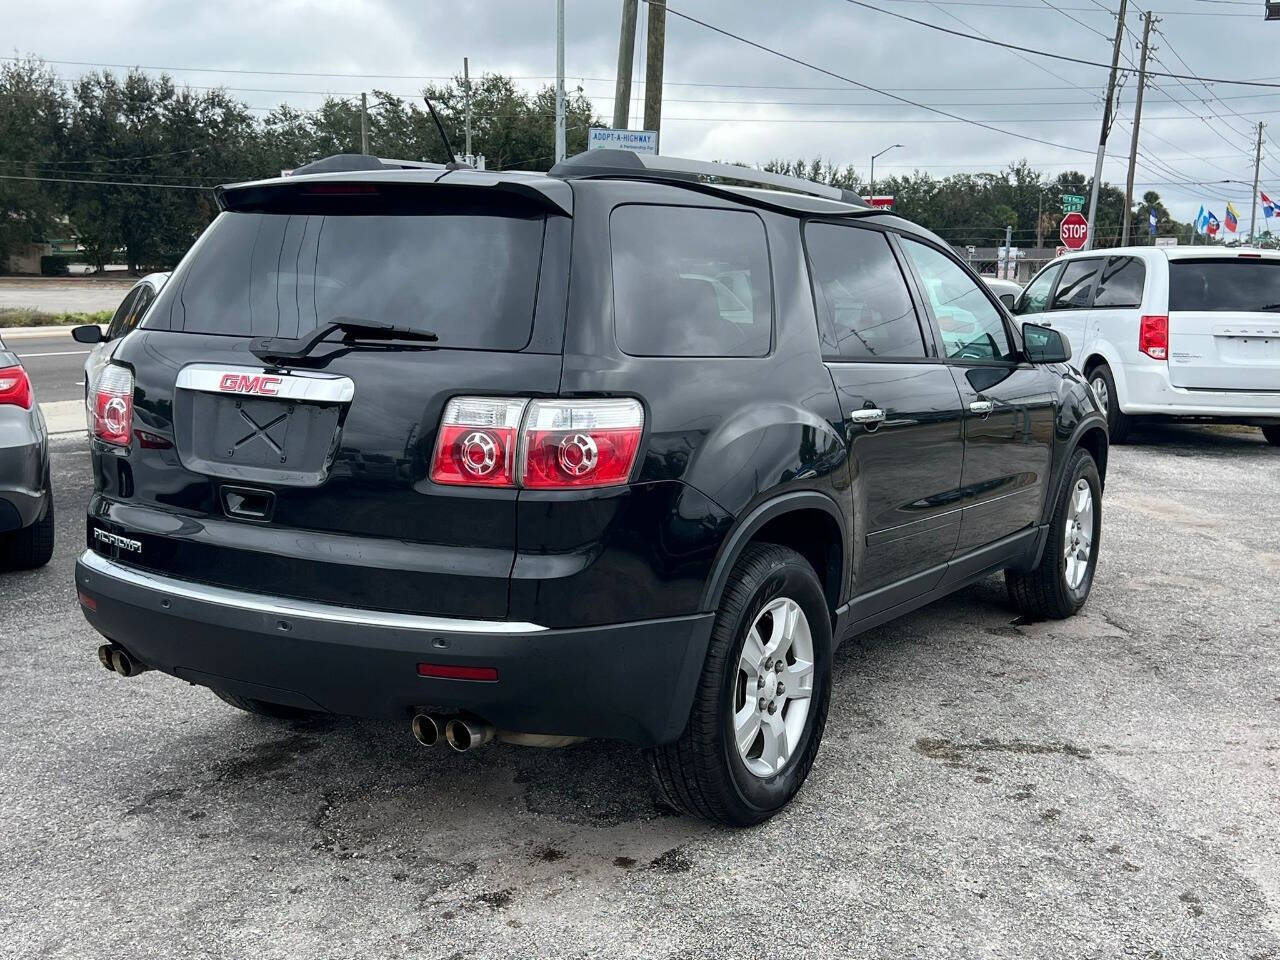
(1153, 337)
(113, 406)
(87, 601)
(15, 388)
(450, 671)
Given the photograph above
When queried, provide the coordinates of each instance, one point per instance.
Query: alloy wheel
(773, 688)
(1078, 539)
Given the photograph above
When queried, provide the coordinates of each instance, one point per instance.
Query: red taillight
(113, 406)
(476, 445)
(1153, 337)
(453, 671)
(15, 387)
(580, 443)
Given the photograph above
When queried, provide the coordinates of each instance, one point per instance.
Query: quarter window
(690, 282)
(118, 326)
(1121, 283)
(1035, 299)
(862, 297)
(1076, 285)
(971, 325)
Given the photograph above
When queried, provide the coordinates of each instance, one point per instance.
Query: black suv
(620, 451)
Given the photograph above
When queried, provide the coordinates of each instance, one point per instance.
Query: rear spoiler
(368, 186)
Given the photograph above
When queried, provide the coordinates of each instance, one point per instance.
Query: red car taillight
(15, 387)
(113, 406)
(537, 444)
(1153, 337)
(580, 443)
(476, 445)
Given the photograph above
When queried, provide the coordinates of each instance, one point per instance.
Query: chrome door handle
(983, 407)
(867, 415)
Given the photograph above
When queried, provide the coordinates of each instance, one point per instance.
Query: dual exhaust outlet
(461, 733)
(118, 660)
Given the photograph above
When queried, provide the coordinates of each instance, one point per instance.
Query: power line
(106, 183)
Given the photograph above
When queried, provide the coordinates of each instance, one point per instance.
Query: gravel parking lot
(1102, 787)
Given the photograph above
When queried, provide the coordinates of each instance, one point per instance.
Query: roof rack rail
(348, 162)
(627, 163)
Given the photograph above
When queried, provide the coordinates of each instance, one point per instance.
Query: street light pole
(872, 188)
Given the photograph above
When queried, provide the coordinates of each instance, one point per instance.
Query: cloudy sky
(725, 99)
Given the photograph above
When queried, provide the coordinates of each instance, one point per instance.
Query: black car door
(1010, 404)
(901, 415)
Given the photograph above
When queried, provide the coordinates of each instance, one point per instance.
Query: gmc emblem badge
(117, 541)
(260, 384)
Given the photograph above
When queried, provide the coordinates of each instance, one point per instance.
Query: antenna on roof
(453, 160)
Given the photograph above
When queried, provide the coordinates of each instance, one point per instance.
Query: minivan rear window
(470, 279)
(1220, 286)
(690, 282)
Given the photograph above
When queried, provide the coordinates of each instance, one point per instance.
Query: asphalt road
(1101, 787)
(56, 295)
(55, 364)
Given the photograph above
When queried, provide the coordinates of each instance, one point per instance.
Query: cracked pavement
(1101, 787)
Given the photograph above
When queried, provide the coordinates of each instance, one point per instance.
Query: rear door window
(1076, 285)
(861, 295)
(118, 325)
(1035, 299)
(690, 282)
(1225, 285)
(1121, 283)
(471, 279)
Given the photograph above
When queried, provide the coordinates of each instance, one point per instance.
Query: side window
(1121, 283)
(862, 296)
(690, 282)
(1035, 299)
(971, 325)
(1076, 285)
(117, 327)
(146, 294)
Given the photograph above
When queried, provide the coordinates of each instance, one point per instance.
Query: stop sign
(1074, 231)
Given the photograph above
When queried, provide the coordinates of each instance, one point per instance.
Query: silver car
(123, 321)
(26, 493)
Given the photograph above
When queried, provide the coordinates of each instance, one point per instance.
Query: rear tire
(1059, 586)
(1104, 387)
(261, 708)
(1272, 434)
(31, 547)
(705, 772)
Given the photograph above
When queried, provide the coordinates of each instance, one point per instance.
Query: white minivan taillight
(1153, 337)
(113, 406)
(580, 443)
(476, 445)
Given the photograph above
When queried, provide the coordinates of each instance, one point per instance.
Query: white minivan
(1169, 331)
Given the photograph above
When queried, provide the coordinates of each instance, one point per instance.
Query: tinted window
(471, 279)
(1219, 285)
(971, 325)
(1035, 299)
(117, 326)
(689, 282)
(145, 295)
(1121, 283)
(861, 294)
(1076, 285)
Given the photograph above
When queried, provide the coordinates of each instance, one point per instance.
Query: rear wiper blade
(272, 349)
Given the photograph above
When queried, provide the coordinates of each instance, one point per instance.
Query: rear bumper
(23, 496)
(632, 681)
(1147, 390)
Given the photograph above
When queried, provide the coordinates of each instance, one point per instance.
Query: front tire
(1272, 434)
(1104, 388)
(1059, 586)
(761, 703)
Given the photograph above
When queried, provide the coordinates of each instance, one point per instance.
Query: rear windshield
(1246, 286)
(470, 279)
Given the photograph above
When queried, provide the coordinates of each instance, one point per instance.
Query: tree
(33, 136)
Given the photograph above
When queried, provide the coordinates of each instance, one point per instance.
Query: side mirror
(1007, 300)
(89, 333)
(1044, 344)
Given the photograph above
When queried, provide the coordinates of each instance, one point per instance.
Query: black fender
(752, 522)
(1093, 420)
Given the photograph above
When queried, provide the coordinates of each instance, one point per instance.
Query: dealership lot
(1106, 786)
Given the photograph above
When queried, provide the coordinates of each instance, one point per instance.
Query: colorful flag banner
(1212, 224)
(1202, 221)
(1232, 218)
(1153, 221)
(1269, 206)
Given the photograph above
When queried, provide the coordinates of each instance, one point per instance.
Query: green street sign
(1071, 203)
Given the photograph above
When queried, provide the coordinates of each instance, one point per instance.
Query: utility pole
(1039, 220)
(1148, 20)
(1009, 269)
(653, 68)
(364, 123)
(559, 80)
(1106, 126)
(626, 54)
(1257, 162)
(466, 89)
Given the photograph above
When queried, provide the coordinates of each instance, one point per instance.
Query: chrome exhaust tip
(426, 729)
(104, 656)
(126, 665)
(465, 734)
